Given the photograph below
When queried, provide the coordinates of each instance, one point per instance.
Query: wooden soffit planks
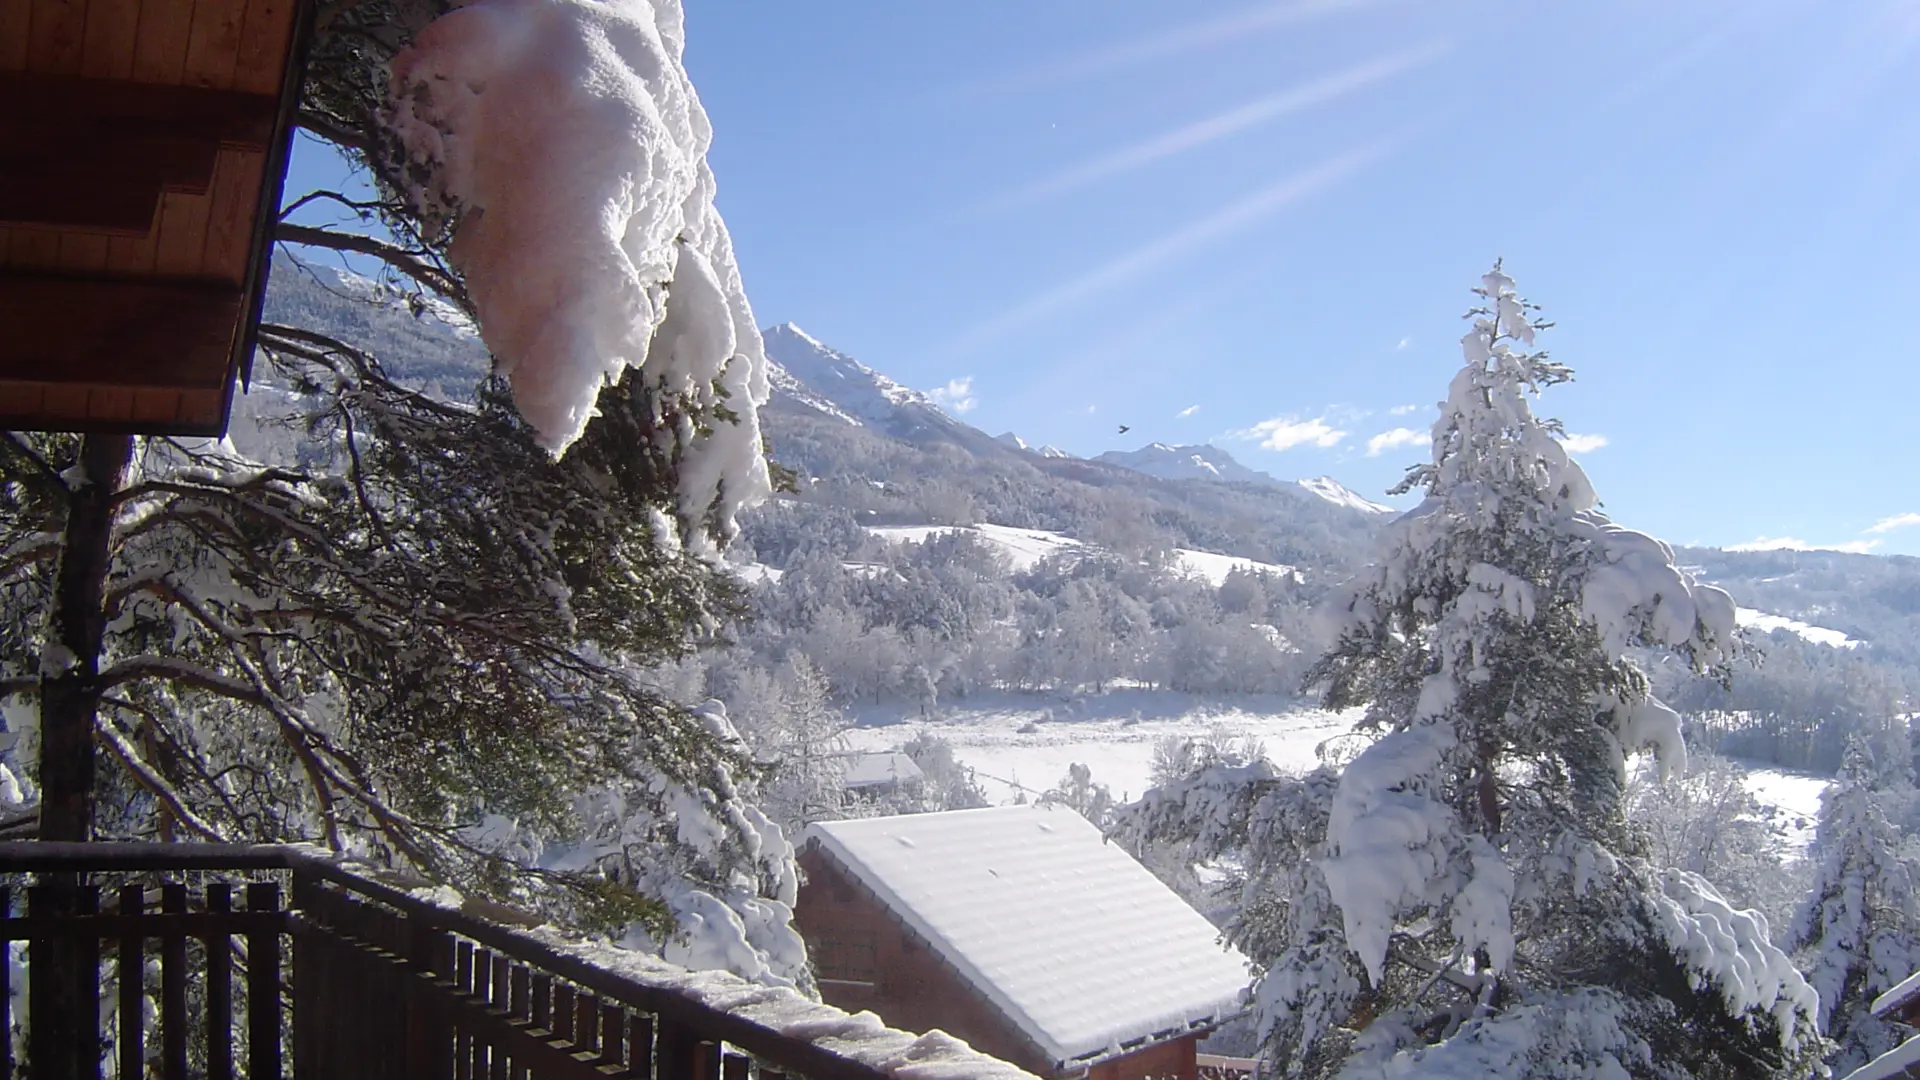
(142, 149)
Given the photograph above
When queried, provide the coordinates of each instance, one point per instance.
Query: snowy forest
(527, 570)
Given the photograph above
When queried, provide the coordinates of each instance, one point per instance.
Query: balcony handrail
(544, 947)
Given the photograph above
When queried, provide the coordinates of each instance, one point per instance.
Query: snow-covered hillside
(1024, 548)
(1326, 487)
(836, 383)
(1206, 462)
(1761, 622)
(1018, 745)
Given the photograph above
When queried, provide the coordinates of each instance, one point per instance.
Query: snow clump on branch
(562, 143)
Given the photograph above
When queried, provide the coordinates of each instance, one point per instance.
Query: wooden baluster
(542, 1013)
(586, 1025)
(132, 970)
(310, 1027)
(263, 987)
(563, 1013)
(173, 986)
(734, 1066)
(519, 1009)
(219, 989)
(64, 1002)
(613, 1032)
(482, 985)
(429, 1036)
(673, 1044)
(6, 986)
(706, 1060)
(463, 1032)
(499, 996)
(640, 1048)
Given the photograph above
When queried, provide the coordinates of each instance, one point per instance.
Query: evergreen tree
(1858, 932)
(1468, 897)
(805, 747)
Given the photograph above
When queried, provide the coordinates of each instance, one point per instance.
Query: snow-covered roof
(1894, 1063)
(1898, 996)
(1067, 935)
(873, 770)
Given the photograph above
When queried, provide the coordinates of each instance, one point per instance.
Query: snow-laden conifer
(1466, 897)
(1858, 932)
(423, 640)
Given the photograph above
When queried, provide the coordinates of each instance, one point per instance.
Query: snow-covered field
(1020, 743)
(1025, 548)
(1767, 624)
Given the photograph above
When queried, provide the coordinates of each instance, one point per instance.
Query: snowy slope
(1069, 937)
(1008, 438)
(1766, 624)
(1326, 487)
(1215, 567)
(837, 383)
(1024, 548)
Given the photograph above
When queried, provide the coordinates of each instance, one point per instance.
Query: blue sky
(1256, 225)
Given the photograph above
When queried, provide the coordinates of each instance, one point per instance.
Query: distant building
(1020, 930)
(1902, 1003)
(880, 773)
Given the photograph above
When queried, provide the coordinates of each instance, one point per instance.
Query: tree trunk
(65, 990)
(70, 661)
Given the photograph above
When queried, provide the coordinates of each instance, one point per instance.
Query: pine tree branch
(116, 744)
(333, 131)
(19, 686)
(17, 447)
(180, 673)
(410, 263)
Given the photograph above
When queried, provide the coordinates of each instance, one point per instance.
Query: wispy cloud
(1392, 439)
(1788, 543)
(1213, 128)
(1401, 345)
(1897, 521)
(1164, 43)
(1186, 412)
(1403, 410)
(1582, 444)
(1286, 432)
(1184, 241)
(956, 396)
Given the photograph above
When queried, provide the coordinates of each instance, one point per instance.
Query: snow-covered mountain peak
(851, 388)
(1326, 487)
(1012, 440)
(1198, 462)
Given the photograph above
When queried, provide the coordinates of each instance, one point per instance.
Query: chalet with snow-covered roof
(1021, 930)
(1901, 1003)
(880, 772)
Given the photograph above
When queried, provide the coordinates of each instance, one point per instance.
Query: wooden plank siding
(141, 141)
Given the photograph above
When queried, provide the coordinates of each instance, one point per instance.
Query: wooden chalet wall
(142, 144)
(867, 958)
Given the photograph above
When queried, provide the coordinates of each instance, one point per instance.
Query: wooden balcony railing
(336, 976)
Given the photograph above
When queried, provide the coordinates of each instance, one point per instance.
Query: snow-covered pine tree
(1858, 932)
(1476, 903)
(804, 745)
(429, 652)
